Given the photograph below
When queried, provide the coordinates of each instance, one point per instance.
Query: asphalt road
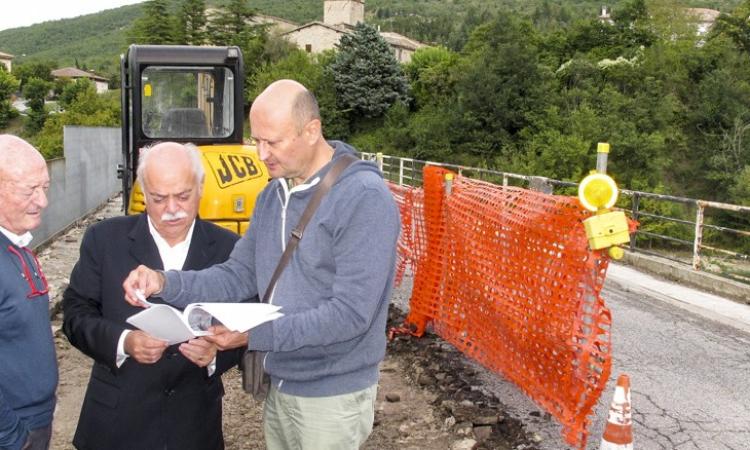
(689, 369)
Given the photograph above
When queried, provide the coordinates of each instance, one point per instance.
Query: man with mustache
(28, 367)
(142, 393)
(323, 354)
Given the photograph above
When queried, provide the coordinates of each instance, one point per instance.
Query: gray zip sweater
(335, 291)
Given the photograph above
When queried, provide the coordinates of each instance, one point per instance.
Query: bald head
(18, 156)
(288, 100)
(285, 125)
(24, 182)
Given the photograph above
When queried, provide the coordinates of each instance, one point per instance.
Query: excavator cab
(191, 95)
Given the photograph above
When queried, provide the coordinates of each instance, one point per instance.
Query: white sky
(21, 13)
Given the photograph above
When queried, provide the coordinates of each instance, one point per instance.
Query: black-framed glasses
(26, 272)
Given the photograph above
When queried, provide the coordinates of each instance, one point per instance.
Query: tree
(85, 108)
(232, 24)
(36, 91)
(36, 69)
(72, 90)
(8, 85)
(367, 77)
(429, 73)
(155, 26)
(500, 85)
(191, 23)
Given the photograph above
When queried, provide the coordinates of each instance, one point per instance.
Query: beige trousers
(340, 422)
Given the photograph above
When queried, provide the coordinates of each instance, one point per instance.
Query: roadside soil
(428, 397)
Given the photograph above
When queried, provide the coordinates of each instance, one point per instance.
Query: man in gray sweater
(324, 352)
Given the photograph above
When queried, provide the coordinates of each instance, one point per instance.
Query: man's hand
(144, 348)
(143, 281)
(225, 339)
(199, 351)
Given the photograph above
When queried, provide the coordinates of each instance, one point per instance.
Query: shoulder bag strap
(341, 163)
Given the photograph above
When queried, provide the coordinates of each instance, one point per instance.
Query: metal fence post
(448, 183)
(634, 215)
(379, 159)
(401, 171)
(698, 236)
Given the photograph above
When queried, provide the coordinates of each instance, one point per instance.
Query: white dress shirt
(19, 240)
(172, 258)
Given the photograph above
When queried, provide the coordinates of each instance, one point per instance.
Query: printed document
(175, 326)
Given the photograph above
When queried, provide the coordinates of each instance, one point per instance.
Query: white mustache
(178, 215)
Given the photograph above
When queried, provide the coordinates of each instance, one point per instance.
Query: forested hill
(96, 40)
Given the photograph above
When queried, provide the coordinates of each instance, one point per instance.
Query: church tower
(349, 12)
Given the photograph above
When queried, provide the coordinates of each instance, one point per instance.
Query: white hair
(192, 153)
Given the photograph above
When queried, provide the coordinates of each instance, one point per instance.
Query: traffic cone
(618, 434)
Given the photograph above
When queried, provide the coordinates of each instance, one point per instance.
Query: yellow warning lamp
(598, 192)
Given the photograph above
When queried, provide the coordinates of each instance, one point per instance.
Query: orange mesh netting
(505, 274)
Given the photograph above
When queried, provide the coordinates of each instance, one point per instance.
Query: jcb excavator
(191, 94)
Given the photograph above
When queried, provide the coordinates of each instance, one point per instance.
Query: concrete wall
(81, 181)
(682, 273)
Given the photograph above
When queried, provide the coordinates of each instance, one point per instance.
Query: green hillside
(96, 40)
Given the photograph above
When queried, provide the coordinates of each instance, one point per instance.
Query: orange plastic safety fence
(505, 275)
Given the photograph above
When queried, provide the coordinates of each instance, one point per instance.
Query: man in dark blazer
(142, 393)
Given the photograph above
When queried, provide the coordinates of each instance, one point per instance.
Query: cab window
(187, 102)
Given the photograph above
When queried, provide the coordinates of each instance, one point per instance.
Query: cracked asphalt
(688, 376)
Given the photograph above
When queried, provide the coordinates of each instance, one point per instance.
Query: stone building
(339, 18)
(6, 60)
(101, 83)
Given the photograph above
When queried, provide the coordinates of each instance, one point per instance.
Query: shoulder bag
(255, 380)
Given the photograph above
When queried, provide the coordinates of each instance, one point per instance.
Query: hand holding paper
(226, 339)
(167, 323)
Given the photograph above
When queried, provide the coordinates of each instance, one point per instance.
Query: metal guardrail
(687, 234)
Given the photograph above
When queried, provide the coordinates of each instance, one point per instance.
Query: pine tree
(367, 77)
(191, 23)
(233, 25)
(156, 26)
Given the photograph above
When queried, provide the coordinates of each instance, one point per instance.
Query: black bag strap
(341, 163)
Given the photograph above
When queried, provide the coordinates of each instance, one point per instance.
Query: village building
(6, 60)
(101, 83)
(339, 18)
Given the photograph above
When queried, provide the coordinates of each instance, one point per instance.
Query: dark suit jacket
(172, 404)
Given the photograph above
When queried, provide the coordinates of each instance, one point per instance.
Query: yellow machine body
(234, 178)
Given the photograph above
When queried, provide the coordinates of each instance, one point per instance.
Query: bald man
(142, 393)
(28, 366)
(323, 354)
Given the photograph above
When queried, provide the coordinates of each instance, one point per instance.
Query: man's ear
(312, 131)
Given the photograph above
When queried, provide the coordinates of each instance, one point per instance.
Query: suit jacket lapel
(143, 248)
(202, 248)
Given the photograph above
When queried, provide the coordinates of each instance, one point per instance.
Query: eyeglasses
(26, 272)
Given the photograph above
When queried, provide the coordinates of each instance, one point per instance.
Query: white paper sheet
(172, 325)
